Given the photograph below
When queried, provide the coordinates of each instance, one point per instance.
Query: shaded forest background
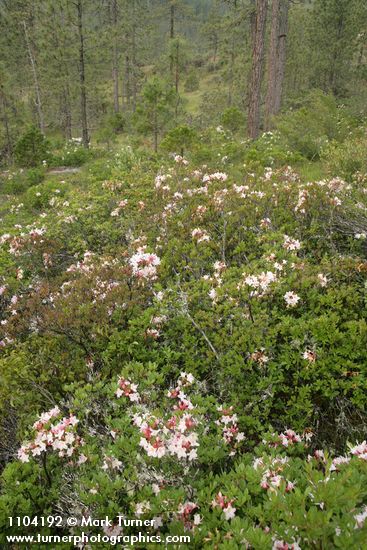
(95, 68)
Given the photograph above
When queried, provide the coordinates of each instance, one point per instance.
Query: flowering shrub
(282, 493)
(202, 330)
(59, 436)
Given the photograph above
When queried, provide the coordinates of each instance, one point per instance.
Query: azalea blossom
(217, 176)
(200, 235)
(265, 223)
(142, 508)
(309, 355)
(260, 357)
(361, 518)
(126, 388)
(291, 299)
(58, 436)
(144, 265)
(110, 462)
(225, 504)
(281, 545)
(360, 450)
(291, 244)
(323, 280)
(338, 461)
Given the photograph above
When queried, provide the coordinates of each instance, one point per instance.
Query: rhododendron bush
(176, 456)
(187, 343)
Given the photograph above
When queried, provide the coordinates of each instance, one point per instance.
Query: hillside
(240, 292)
(183, 263)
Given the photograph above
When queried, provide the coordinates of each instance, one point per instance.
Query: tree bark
(172, 21)
(133, 57)
(172, 33)
(35, 79)
(115, 68)
(83, 92)
(177, 73)
(253, 124)
(232, 58)
(282, 50)
(59, 46)
(277, 59)
(67, 111)
(9, 148)
(155, 131)
(127, 80)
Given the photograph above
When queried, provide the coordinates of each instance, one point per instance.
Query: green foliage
(31, 149)
(155, 111)
(35, 176)
(310, 127)
(347, 158)
(269, 150)
(282, 492)
(141, 267)
(73, 154)
(233, 119)
(180, 140)
(117, 122)
(108, 131)
(17, 182)
(192, 82)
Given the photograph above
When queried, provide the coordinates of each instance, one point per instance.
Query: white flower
(229, 512)
(142, 507)
(157, 522)
(200, 235)
(323, 280)
(212, 294)
(291, 299)
(309, 355)
(291, 244)
(361, 518)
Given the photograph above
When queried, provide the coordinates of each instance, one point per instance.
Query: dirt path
(64, 170)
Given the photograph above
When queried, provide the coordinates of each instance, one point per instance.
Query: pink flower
(144, 265)
(291, 244)
(225, 504)
(309, 355)
(281, 545)
(360, 450)
(200, 235)
(126, 388)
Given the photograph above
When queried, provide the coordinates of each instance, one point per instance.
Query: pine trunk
(127, 80)
(172, 34)
(282, 49)
(35, 79)
(257, 68)
(67, 111)
(272, 63)
(83, 92)
(115, 68)
(133, 57)
(277, 59)
(9, 148)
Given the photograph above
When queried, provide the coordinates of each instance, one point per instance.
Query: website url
(84, 538)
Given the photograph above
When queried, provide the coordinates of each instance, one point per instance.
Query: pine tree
(276, 59)
(259, 24)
